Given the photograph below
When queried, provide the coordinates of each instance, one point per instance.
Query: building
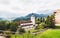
(27, 25)
(57, 17)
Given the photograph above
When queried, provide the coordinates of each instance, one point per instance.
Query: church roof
(27, 25)
(25, 22)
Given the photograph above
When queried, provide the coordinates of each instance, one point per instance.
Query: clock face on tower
(57, 17)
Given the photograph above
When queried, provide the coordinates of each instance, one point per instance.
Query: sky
(16, 8)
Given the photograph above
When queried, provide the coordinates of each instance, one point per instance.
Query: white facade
(2, 37)
(29, 25)
(33, 19)
(26, 24)
(57, 16)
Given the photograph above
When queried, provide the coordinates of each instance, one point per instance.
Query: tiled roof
(25, 22)
(25, 25)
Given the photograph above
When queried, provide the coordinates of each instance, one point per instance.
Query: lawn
(23, 36)
(50, 34)
(47, 34)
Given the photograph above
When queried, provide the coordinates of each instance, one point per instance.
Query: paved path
(39, 31)
(2, 37)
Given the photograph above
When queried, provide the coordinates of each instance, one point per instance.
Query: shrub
(22, 31)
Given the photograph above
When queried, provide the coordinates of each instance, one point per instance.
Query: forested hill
(27, 17)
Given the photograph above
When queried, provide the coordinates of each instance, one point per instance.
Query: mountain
(27, 17)
(1, 18)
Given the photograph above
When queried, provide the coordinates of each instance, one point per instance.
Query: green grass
(57, 27)
(50, 34)
(47, 34)
(23, 36)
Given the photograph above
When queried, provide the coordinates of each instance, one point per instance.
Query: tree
(13, 26)
(38, 21)
(3, 24)
(22, 30)
(41, 23)
(50, 21)
(43, 20)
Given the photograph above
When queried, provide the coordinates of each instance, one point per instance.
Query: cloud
(24, 7)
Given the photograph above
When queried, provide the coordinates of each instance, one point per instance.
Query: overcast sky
(11, 8)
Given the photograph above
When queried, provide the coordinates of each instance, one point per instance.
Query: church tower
(33, 19)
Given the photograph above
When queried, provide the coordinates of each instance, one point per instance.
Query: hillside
(27, 17)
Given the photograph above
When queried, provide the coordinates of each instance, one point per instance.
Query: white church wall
(33, 19)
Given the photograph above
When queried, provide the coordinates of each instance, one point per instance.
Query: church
(27, 25)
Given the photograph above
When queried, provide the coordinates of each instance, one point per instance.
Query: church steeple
(33, 19)
(32, 15)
